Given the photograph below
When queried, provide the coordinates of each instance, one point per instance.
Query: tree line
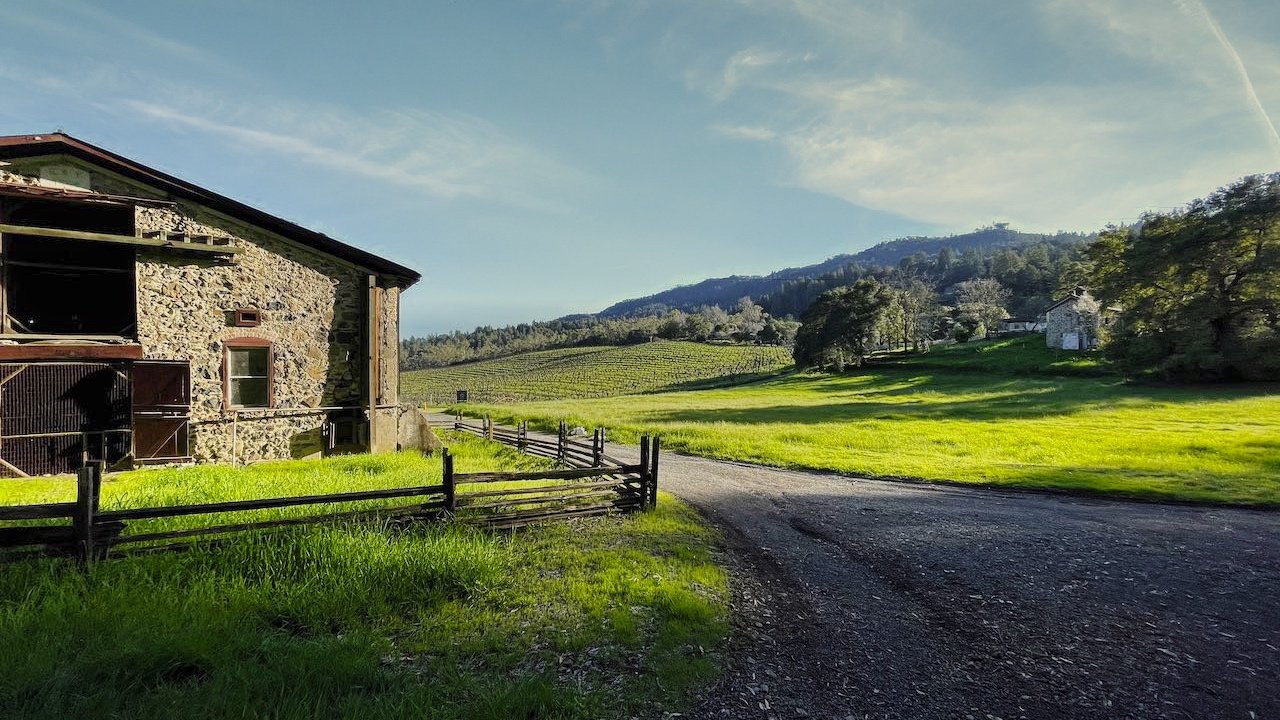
(1198, 293)
(746, 322)
(1195, 294)
(1032, 273)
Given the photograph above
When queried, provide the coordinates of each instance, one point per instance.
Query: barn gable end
(267, 339)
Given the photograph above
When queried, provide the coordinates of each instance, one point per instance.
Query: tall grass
(593, 618)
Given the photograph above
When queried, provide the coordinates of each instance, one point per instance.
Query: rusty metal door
(56, 416)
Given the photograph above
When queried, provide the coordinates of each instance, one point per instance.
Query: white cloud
(1197, 8)
(923, 139)
(442, 155)
(745, 132)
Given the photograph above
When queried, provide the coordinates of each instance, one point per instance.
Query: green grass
(594, 371)
(1024, 355)
(977, 420)
(216, 483)
(593, 618)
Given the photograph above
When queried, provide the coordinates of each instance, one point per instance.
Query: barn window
(247, 367)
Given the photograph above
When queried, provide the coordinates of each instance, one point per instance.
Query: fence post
(562, 438)
(87, 486)
(522, 436)
(488, 428)
(653, 472)
(644, 471)
(597, 448)
(450, 487)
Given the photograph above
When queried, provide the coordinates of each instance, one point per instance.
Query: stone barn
(144, 320)
(1073, 322)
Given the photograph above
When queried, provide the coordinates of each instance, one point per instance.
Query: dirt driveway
(869, 599)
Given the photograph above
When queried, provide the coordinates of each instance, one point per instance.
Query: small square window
(247, 317)
(248, 373)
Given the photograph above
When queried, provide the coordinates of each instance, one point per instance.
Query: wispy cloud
(924, 137)
(441, 155)
(745, 132)
(1196, 7)
(450, 156)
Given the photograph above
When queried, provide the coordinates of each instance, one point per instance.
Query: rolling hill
(588, 372)
(725, 291)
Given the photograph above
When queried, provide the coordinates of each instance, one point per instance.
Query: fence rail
(587, 483)
(625, 487)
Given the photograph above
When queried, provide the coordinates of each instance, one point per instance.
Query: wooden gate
(161, 411)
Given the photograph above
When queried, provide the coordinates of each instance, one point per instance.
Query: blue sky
(539, 158)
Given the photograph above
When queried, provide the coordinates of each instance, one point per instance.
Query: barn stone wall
(312, 311)
(1078, 315)
(312, 307)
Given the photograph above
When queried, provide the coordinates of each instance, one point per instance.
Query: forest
(1033, 273)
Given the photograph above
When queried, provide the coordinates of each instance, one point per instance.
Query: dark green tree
(840, 327)
(1199, 289)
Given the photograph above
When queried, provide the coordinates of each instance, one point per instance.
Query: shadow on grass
(888, 395)
(724, 381)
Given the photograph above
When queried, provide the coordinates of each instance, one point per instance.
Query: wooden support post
(450, 487)
(644, 471)
(522, 436)
(597, 448)
(372, 375)
(653, 472)
(88, 483)
(488, 428)
(562, 439)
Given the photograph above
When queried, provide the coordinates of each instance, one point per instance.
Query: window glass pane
(248, 361)
(249, 392)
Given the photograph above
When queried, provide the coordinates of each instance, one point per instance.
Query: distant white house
(1073, 322)
(1020, 325)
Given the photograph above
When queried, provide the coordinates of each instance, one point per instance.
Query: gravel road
(870, 599)
(860, 598)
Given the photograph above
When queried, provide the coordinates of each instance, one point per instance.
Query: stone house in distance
(144, 319)
(1073, 322)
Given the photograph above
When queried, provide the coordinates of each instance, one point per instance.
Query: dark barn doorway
(65, 287)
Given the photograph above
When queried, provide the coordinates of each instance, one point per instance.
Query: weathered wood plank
(554, 503)
(397, 511)
(118, 239)
(47, 511)
(570, 474)
(499, 519)
(541, 488)
(268, 503)
(61, 535)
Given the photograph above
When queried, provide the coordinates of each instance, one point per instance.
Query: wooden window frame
(247, 317)
(248, 343)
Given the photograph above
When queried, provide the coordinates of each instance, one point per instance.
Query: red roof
(20, 146)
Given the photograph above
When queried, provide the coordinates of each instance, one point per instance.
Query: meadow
(590, 618)
(1006, 414)
(588, 372)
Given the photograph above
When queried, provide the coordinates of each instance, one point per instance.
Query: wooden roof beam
(119, 239)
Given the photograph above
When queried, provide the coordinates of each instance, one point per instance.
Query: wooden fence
(597, 483)
(588, 483)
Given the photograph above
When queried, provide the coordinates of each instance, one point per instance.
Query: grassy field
(594, 618)
(1007, 413)
(593, 371)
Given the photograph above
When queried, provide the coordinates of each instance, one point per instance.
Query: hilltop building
(144, 319)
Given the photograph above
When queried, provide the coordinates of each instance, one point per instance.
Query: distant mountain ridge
(726, 291)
